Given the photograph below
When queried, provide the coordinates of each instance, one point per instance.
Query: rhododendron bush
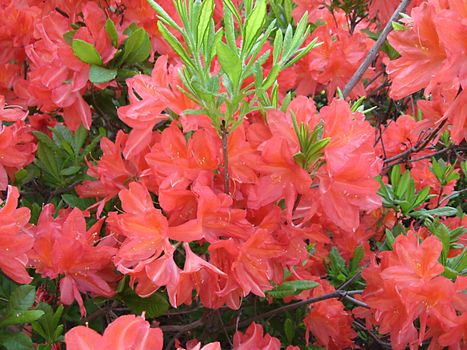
(224, 174)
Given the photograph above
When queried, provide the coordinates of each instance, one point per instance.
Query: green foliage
(443, 171)
(137, 47)
(201, 43)
(338, 270)
(449, 238)
(311, 145)
(290, 288)
(60, 159)
(99, 74)
(15, 310)
(391, 236)
(135, 50)
(153, 306)
(401, 195)
(86, 52)
(49, 326)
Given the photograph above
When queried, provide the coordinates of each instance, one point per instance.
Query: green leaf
(74, 201)
(403, 184)
(422, 196)
(389, 238)
(289, 330)
(229, 4)
(112, 32)
(68, 36)
(16, 341)
(336, 261)
(154, 305)
(44, 139)
(137, 47)
(163, 15)
(290, 288)
(79, 138)
(277, 49)
(398, 26)
(63, 138)
(395, 175)
(86, 52)
(253, 26)
(98, 75)
(205, 18)
(300, 285)
(48, 326)
(230, 63)
(272, 77)
(21, 317)
(443, 211)
(21, 299)
(175, 44)
(70, 170)
(356, 259)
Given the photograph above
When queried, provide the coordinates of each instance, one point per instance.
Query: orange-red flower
(15, 238)
(126, 332)
(64, 248)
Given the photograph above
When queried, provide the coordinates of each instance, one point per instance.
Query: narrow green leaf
(21, 317)
(175, 44)
(422, 196)
(278, 40)
(43, 138)
(356, 259)
(70, 170)
(272, 76)
(205, 19)
(229, 4)
(112, 32)
(253, 26)
(79, 138)
(289, 330)
(230, 63)
(395, 175)
(164, 15)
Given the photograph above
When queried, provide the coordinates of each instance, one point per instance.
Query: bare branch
(374, 50)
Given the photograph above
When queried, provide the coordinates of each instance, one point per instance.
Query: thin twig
(223, 327)
(420, 145)
(282, 309)
(382, 343)
(183, 327)
(374, 50)
(349, 281)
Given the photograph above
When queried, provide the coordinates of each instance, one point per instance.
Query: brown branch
(374, 50)
(382, 343)
(450, 150)
(420, 145)
(183, 327)
(282, 309)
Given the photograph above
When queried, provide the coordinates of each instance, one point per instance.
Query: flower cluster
(200, 156)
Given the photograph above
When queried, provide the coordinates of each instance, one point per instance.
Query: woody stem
(374, 50)
(337, 294)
